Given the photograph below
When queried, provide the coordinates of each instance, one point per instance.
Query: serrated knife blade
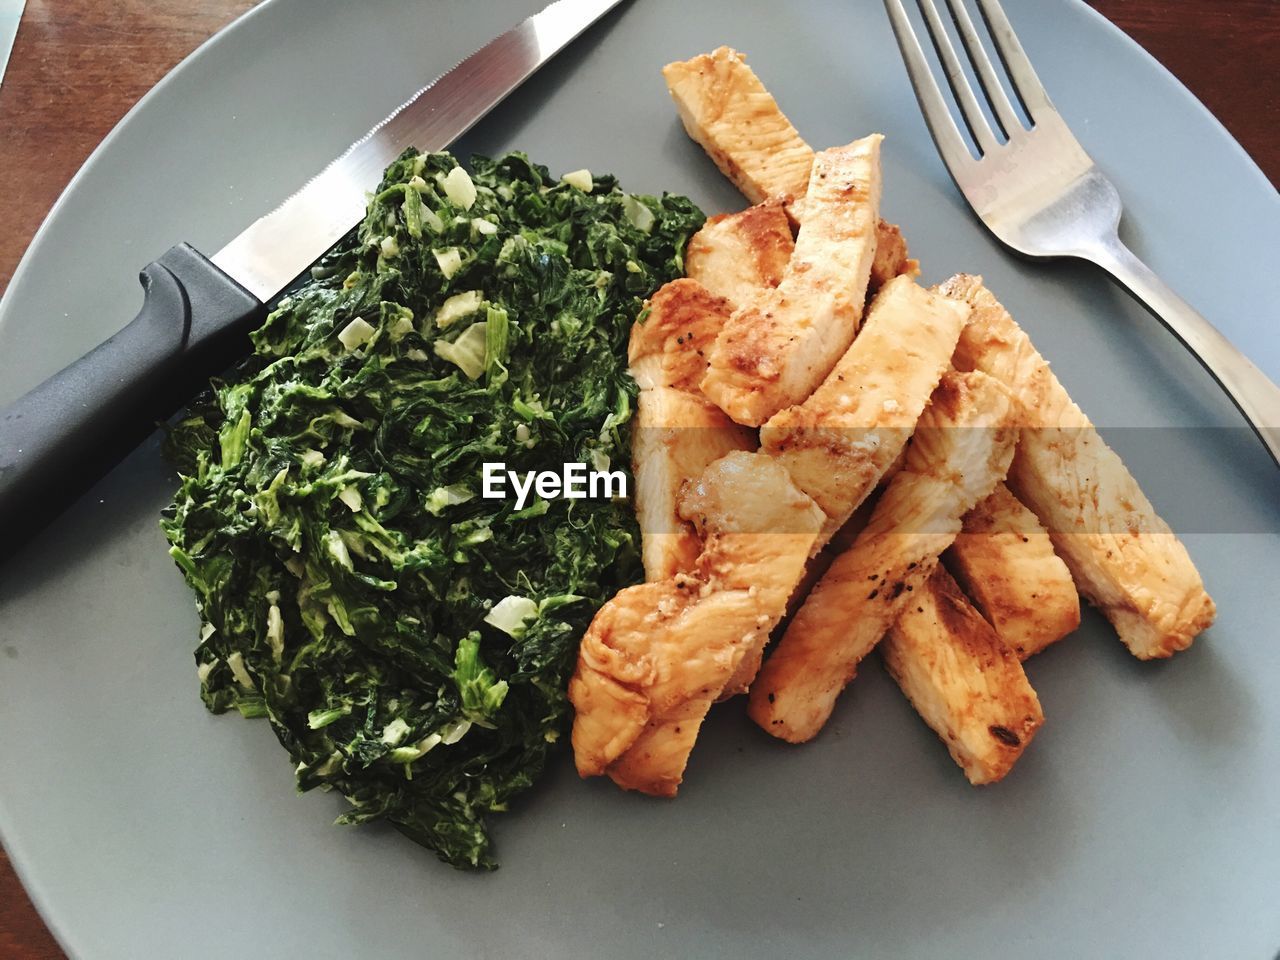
(273, 250)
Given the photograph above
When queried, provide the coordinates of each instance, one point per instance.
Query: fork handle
(1256, 396)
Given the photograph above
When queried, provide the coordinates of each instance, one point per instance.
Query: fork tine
(985, 69)
(1025, 82)
(946, 136)
(970, 112)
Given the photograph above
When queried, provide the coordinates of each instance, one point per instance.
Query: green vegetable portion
(409, 641)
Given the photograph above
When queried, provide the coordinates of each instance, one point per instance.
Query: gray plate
(1143, 820)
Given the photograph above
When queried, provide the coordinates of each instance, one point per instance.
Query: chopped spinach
(409, 642)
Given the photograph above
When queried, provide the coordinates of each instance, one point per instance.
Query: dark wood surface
(78, 65)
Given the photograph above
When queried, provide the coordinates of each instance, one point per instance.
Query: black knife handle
(70, 430)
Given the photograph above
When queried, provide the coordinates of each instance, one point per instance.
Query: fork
(1038, 191)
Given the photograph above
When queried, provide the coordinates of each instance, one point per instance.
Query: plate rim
(19, 859)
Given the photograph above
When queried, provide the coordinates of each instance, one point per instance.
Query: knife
(62, 436)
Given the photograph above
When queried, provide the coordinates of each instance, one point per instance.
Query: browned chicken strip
(647, 652)
(962, 679)
(1004, 560)
(656, 656)
(736, 255)
(846, 437)
(1122, 556)
(778, 346)
(840, 442)
(960, 451)
(678, 432)
(726, 109)
(892, 259)
(668, 343)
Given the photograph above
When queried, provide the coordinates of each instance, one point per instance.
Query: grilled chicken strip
(737, 255)
(965, 683)
(678, 432)
(1123, 557)
(653, 652)
(668, 343)
(961, 449)
(892, 259)
(728, 112)
(852, 432)
(1004, 560)
(779, 345)
(840, 442)
(657, 655)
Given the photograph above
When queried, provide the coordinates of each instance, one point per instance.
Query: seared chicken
(1122, 556)
(846, 437)
(669, 342)
(840, 442)
(892, 258)
(729, 499)
(736, 255)
(652, 651)
(852, 432)
(779, 345)
(962, 679)
(657, 655)
(961, 449)
(1004, 560)
(726, 109)
(678, 432)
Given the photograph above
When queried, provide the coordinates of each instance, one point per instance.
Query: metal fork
(1041, 194)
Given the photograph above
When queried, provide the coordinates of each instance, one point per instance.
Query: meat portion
(728, 112)
(669, 343)
(1004, 560)
(779, 345)
(892, 259)
(653, 653)
(736, 255)
(840, 442)
(961, 449)
(678, 432)
(962, 679)
(852, 431)
(657, 655)
(1122, 555)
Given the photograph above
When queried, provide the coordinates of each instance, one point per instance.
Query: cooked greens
(409, 642)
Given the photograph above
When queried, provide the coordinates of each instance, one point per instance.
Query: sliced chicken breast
(736, 255)
(961, 449)
(1004, 560)
(678, 432)
(669, 342)
(777, 347)
(726, 109)
(840, 442)
(1122, 555)
(892, 259)
(656, 656)
(965, 683)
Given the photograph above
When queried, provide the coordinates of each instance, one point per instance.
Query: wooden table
(78, 65)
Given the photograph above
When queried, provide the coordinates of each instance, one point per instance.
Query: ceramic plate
(1142, 821)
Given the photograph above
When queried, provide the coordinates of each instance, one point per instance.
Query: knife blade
(64, 434)
(278, 247)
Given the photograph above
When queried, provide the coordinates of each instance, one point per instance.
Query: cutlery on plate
(1038, 191)
(56, 440)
